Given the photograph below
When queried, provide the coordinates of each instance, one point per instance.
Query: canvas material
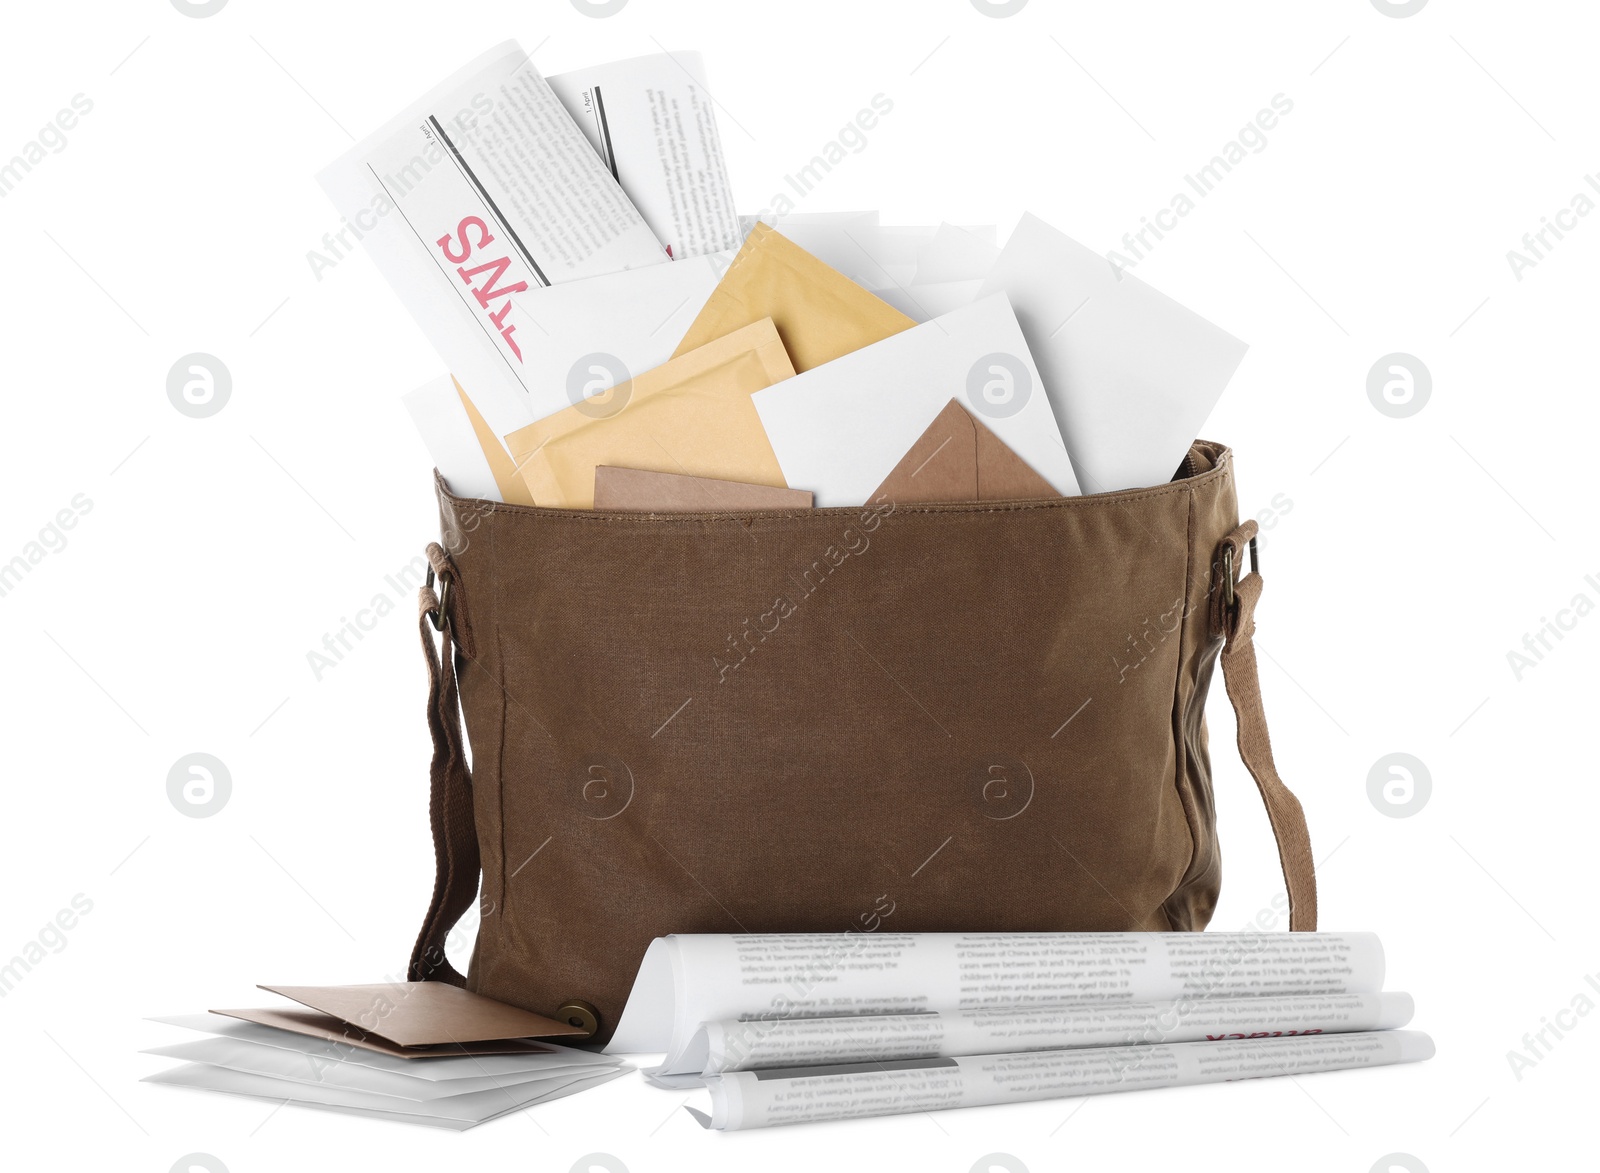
(903, 717)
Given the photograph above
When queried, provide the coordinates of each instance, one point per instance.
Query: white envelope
(442, 421)
(822, 234)
(1133, 374)
(957, 254)
(335, 1072)
(924, 301)
(888, 256)
(839, 429)
(458, 1116)
(508, 1068)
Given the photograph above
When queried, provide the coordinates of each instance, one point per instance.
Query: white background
(1412, 556)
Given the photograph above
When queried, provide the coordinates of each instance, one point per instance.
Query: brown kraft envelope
(407, 1018)
(958, 459)
(313, 1024)
(635, 490)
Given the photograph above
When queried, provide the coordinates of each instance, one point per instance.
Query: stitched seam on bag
(1180, 746)
(832, 513)
(501, 887)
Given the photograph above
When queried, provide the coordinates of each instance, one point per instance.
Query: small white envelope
(454, 1112)
(955, 253)
(508, 1068)
(446, 429)
(333, 1072)
(890, 256)
(924, 302)
(1133, 374)
(839, 429)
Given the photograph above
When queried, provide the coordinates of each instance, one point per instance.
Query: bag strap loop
(1234, 609)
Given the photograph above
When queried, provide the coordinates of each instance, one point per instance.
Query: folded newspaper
(787, 1029)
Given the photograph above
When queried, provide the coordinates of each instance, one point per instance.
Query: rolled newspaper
(798, 1095)
(735, 1045)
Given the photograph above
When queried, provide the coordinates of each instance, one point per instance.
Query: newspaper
(759, 1099)
(736, 1045)
(689, 980)
(498, 224)
(654, 125)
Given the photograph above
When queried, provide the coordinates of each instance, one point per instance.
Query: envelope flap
(1002, 474)
(942, 465)
(424, 1014)
(313, 1024)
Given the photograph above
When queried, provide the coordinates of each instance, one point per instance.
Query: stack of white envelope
(455, 1091)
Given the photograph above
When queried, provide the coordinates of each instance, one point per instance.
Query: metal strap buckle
(440, 615)
(1230, 600)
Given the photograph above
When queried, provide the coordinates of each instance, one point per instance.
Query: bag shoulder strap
(1234, 609)
(455, 834)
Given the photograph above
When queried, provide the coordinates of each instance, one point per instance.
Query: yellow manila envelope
(820, 313)
(692, 416)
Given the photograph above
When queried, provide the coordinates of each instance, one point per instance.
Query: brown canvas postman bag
(957, 717)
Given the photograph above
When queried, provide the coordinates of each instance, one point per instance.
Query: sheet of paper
(901, 248)
(406, 1084)
(473, 463)
(828, 236)
(481, 199)
(796, 1095)
(924, 302)
(456, 1113)
(888, 256)
(839, 429)
(735, 1045)
(687, 980)
(530, 1060)
(950, 270)
(654, 125)
(692, 415)
(899, 254)
(820, 314)
(1132, 374)
(957, 253)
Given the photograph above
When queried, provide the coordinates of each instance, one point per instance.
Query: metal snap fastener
(576, 1012)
